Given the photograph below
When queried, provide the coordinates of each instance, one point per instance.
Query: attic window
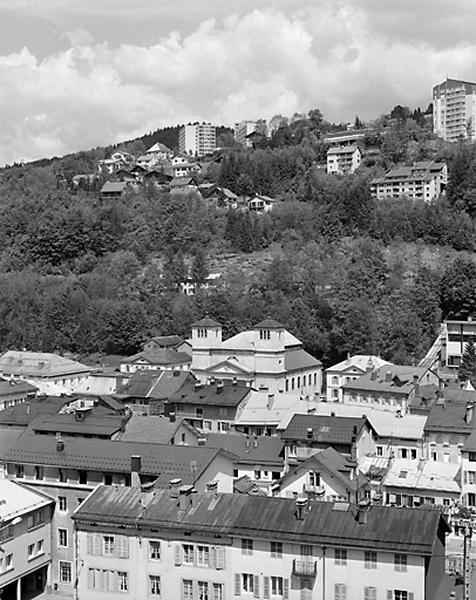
(264, 334)
(403, 474)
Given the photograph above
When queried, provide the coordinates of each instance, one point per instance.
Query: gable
(228, 367)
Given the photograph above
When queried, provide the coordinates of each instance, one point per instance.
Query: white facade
(422, 181)
(456, 335)
(454, 110)
(243, 129)
(349, 370)
(197, 139)
(343, 159)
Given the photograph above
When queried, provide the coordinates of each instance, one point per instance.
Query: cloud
(335, 57)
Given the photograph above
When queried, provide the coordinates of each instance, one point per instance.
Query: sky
(75, 74)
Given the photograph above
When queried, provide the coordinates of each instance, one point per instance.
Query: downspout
(323, 573)
(76, 560)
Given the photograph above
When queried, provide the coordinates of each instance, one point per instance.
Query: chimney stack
(59, 443)
(388, 376)
(469, 412)
(212, 486)
(172, 417)
(186, 496)
(174, 485)
(220, 386)
(234, 381)
(301, 504)
(201, 441)
(309, 433)
(362, 512)
(136, 463)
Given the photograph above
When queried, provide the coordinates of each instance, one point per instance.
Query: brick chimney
(174, 486)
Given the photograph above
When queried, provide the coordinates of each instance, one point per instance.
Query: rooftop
(450, 416)
(206, 322)
(325, 430)
(257, 450)
(261, 410)
(396, 379)
(16, 386)
(39, 364)
(24, 413)
(360, 362)
(85, 423)
(297, 359)
(426, 475)
(152, 429)
(162, 356)
(19, 500)
(388, 528)
(166, 341)
(114, 187)
(220, 393)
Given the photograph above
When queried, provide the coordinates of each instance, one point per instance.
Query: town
(172, 428)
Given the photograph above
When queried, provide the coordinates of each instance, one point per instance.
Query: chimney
(301, 504)
(373, 375)
(197, 386)
(234, 381)
(309, 433)
(185, 496)
(220, 386)
(247, 442)
(388, 376)
(201, 441)
(135, 470)
(269, 404)
(212, 380)
(176, 373)
(416, 385)
(174, 485)
(212, 486)
(468, 417)
(353, 450)
(172, 417)
(255, 440)
(59, 443)
(398, 414)
(362, 512)
(370, 365)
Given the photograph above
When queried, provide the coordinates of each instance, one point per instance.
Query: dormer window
(264, 334)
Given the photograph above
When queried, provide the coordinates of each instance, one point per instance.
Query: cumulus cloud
(335, 57)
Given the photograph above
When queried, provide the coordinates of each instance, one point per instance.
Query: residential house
(422, 181)
(158, 429)
(343, 159)
(260, 203)
(326, 475)
(267, 357)
(177, 544)
(260, 458)
(114, 190)
(349, 370)
(118, 160)
(223, 197)
(390, 385)
(454, 110)
(208, 407)
(188, 169)
(158, 178)
(468, 471)
(183, 185)
(126, 176)
(68, 469)
(25, 541)
(160, 342)
(161, 360)
(159, 151)
(244, 129)
(15, 391)
(305, 435)
(349, 137)
(43, 366)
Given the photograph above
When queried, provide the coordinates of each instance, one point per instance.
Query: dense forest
(82, 275)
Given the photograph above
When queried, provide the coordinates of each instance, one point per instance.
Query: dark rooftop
(162, 356)
(206, 322)
(256, 450)
(166, 341)
(154, 384)
(297, 359)
(16, 386)
(24, 413)
(268, 324)
(83, 423)
(225, 393)
(325, 429)
(395, 379)
(450, 416)
(397, 529)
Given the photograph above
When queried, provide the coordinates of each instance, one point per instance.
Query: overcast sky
(80, 73)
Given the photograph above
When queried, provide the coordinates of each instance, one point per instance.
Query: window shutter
(256, 586)
(116, 582)
(465, 475)
(266, 587)
(99, 579)
(389, 594)
(123, 546)
(178, 555)
(366, 593)
(410, 595)
(97, 544)
(212, 557)
(195, 556)
(220, 558)
(343, 592)
(91, 579)
(90, 543)
(285, 588)
(237, 584)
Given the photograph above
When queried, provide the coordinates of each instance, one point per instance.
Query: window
(314, 479)
(38, 472)
(257, 474)
(154, 585)
(340, 556)
(154, 550)
(472, 456)
(187, 589)
(62, 476)
(31, 550)
(470, 477)
(6, 533)
(187, 554)
(218, 591)
(340, 591)
(62, 503)
(276, 586)
(6, 563)
(403, 453)
(63, 537)
(19, 471)
(35, 519)
(247, 580)
(235, 472)
(401, 595)
(108, 478)
(246, 546)
(276, 549)
(122, 581)
(413, 453)
(83, 477)
(65, 571)
(400, 562)
(370, 559)
(203, 556)
(203, 590)
(108, 545)
(306, 550)
(40, 547)
(370, 593)
(379, 450)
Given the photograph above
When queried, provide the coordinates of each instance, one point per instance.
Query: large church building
(267, 357)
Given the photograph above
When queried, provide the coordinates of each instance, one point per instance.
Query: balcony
(304, 567)
(316, 490)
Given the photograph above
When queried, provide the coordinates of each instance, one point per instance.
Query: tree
(467, 368)
(199, 269)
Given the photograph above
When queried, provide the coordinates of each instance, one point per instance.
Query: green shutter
(389, 594)
(237, 584)
(178, 555)
(266, 587)
(285, 589)
(256, 586)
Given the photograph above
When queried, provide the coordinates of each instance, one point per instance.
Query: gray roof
(206, 322)
(116, 187)
(388, 528)
(325, 429)
(154, 429)
(298, 359)
(225, 393)
(39, 364)
(260, 450)
(268, 324)
(162, 356)
(396, 379)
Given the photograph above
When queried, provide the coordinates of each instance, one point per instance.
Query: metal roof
(408, 530)
(258, 450)
(325, 429)
(225, 393)
(162, 356)
(206, 322)
(39, 364)
(298, 359)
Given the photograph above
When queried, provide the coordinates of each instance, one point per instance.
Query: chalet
(158, 177)
(183, 184)
(163, 359)
(260, 203)
(113, 190)
(349, 370)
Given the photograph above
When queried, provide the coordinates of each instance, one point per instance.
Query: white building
(348, 370)
(343, 159)
(197, 139)
(189, 286)
(454, 110)
(422, 181)
(242, 130)
(267, 357)
(456, 334)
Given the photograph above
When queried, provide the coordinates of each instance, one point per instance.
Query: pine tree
(199, 269)
(467, 368)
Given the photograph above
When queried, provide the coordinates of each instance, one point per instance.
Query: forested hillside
(85, 275)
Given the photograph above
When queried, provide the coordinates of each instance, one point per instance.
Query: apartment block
(456, 335)
(422, 181)
(179, 544)
(197, 139)
(343, 159)
(454, 110)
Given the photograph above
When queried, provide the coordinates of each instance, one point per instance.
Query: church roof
(206, 322)
(268, 324)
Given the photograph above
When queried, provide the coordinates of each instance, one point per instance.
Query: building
(159, 151)
(305, 435)
(113, 190)
(422, 181)
(197, 139)
(184, 184)
(326, 475)
(118, 160)
(267, 357)
(454, 110)
(159, 360)
(177, 544)
(390, 385)
(456, 334)
(349, 370)
(349, 137)
(343, 159)
(189, 286)
(25, 541)
(260, 203)
(159, 430)
(468, 470)
(208, 407)
(244, 129)
(68, 469)
(163, 341)
(42, 366)
(15, 391)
